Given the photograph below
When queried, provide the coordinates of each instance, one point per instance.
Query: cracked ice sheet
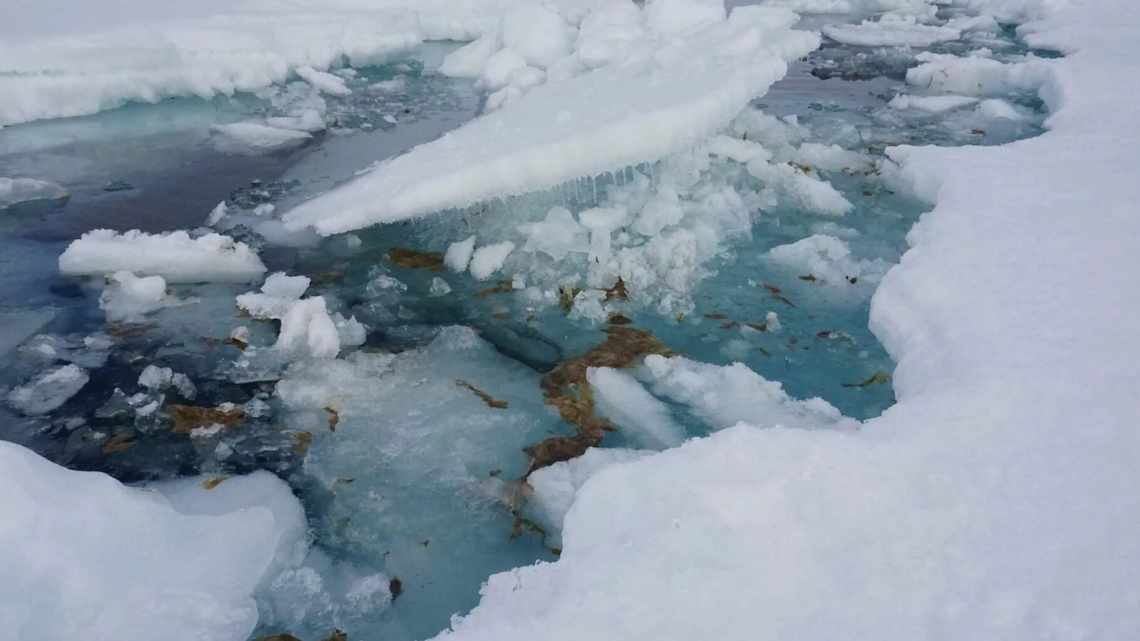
(993, 502)
(640, 109)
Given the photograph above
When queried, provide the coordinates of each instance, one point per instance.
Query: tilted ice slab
(637, 110)
(86, 557)
(175, 256)
(992, 502)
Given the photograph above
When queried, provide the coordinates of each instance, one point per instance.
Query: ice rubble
(127, 297)
(307, 327)
(991, 501)
(670, 92)
(85, 556)
(175, 256)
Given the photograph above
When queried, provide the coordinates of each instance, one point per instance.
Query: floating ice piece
(976, 75)
(918, 8)
(642, 418)
(722, 396)
(438, 287)
(217, 214)
(555, 486)
(257, 138)
(193, 561)
(48, 391)
(800, 189)
(654, 105)
(28, 191)
(307, 327)
(828, 259)
(891, 30)
(277, 295)
(999, 109)
(127, 297)
(155, 379)
(931, 104)
(175, 256)
(458, 254)
(489, 259)
(323, 81)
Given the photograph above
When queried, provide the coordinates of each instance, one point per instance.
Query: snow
(536, 33)
(175, 256)
(891, 30)
(488, 259)
(553, 487)
(993, 501)
(48, 391)
(976, 75)
(673, 93)
(85, 556)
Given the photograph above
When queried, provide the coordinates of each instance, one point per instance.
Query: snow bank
(85, 556)
(673, 93)
(175, 256)
(994, 501)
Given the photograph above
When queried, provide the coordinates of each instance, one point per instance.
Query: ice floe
(175, 256)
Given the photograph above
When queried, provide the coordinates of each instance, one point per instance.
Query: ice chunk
(257, 138)
(175, 256)
(975, 75)
(557, 235)
(722, 396)
(439, 287)
(458, 254)
(642, 418)
(931, 104)
(323, 81)
(999, 109)
(127, 297)
(654, 105)
(488, 259)
(189, 571)
(28, 191)
(826, 258)
(891, 30)
(48, 391)
(800, 189)
(554, 486)
(277, 295)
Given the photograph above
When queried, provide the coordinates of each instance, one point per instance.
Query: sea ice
(24, 191)
(679, 92)
(127, 297)
(891, 30)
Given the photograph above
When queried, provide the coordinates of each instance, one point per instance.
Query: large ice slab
(175, 256)
(86, 557)
(642, 108)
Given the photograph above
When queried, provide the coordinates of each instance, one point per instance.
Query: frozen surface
(671, 94)
(988, 503)
(175, 256)
(86, 556)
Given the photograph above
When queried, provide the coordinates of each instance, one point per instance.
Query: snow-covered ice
(86, 556)
(175, 256)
